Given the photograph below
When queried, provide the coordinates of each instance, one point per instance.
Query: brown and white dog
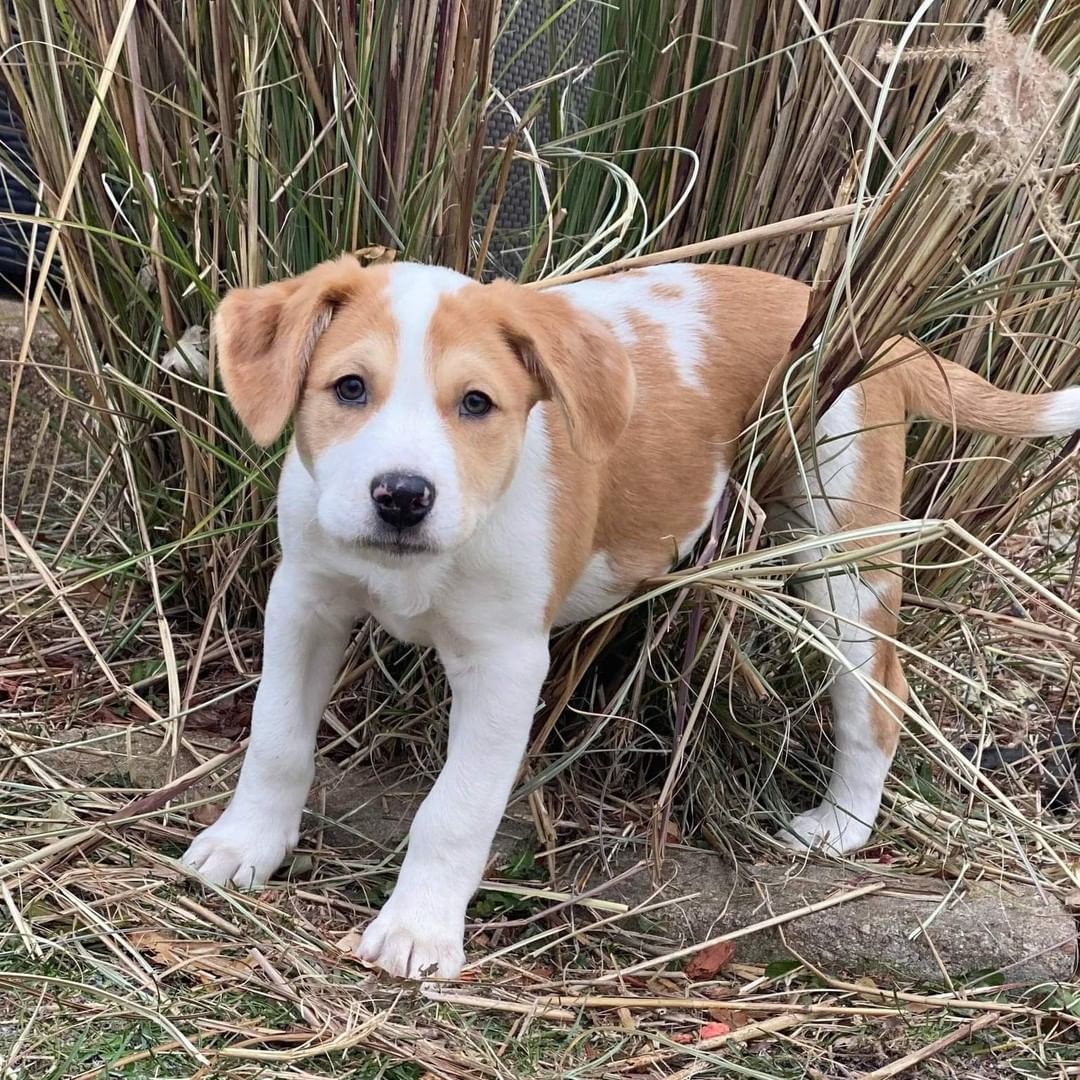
(475, 464)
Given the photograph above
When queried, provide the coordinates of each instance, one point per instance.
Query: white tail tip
(1061, 413)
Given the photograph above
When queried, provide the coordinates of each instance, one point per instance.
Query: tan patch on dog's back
(665, 290)
(655, 492)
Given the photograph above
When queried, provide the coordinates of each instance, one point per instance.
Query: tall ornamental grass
(180, 149)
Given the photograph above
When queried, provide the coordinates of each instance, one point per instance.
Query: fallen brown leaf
(349, 942)
(207, 814)
(376, 253)
(203, 959)
(708, 962)
(731, 1017)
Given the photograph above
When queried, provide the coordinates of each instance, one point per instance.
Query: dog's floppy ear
(265, 338)
(576, 360)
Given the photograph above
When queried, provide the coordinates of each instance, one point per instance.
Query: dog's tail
(937, 389)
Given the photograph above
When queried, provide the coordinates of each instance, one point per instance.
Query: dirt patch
(35, 421)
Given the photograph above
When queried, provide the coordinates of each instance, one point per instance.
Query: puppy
(476, 464)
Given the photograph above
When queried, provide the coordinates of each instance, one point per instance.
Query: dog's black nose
(402, 499)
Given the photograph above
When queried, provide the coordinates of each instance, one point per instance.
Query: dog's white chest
(415, 630)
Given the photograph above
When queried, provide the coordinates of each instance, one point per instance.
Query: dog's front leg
(308, 620)
(420, 929)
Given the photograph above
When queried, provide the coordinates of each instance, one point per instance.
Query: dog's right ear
(265, 338)
(575, 360)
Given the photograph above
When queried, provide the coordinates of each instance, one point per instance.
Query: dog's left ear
(265, 338)
(576, 361)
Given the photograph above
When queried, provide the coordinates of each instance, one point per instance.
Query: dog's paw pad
(411, 946)
(826, 829)
(239, 852)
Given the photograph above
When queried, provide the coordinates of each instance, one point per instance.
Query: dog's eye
(475, 403)
(351, 390)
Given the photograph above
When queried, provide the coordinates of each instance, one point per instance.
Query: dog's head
(410, 387)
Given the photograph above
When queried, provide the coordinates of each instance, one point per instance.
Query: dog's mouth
(397, 543)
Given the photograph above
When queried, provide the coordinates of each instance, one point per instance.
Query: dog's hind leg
(868, 691)
(855, 482)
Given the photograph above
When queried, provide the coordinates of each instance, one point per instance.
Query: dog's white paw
(414, 942)
(244, 849)
(825, 828)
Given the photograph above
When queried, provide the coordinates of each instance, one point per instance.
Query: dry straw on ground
(236, 144)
